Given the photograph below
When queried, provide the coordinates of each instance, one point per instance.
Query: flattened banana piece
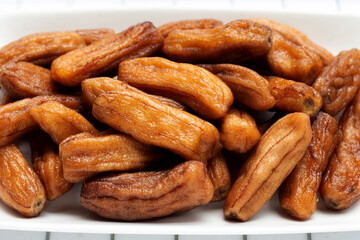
(146, 195)
(235, 42)
(247, 86)
(20, 188)
(339, 81)
(60, 122)
(340, 187)
(298, 38)
(48, 166)
(85, 155)
(41, 48)
(15, 118)
(104, 55)
(152, 122)
(292, 96)
(191, 85)
(275, 156)
(298, 193)
(22, 80)
(238, 131)
(288, 60)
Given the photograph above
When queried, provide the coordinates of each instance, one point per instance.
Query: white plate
(333, 31)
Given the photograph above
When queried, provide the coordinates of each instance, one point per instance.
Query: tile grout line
(308, 235)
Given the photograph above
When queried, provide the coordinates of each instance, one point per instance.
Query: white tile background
(346, 6)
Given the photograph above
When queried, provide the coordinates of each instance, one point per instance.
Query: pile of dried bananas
(151, 118)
